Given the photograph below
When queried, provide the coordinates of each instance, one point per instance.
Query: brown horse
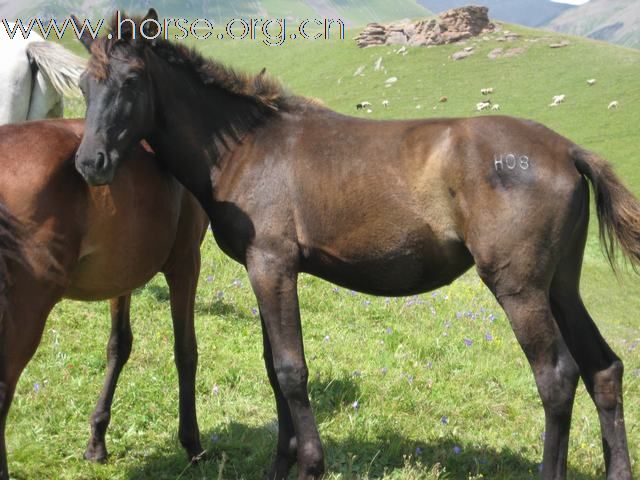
(415, 205)
(60, 238)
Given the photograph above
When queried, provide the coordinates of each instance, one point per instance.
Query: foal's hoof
(96, 453)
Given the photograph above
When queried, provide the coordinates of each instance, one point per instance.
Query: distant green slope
(353, 12)
(616, 21)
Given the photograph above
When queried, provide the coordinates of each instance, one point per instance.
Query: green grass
(403, 360)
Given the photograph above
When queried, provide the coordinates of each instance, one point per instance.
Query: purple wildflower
(215, 390)
(468, 342)
(410, 379)
(335, 289)
(209, 279)
(384, 370)
(220, 295)
(36, 387)
(418, 451)
(488, 337)
(254, 312)
(366, 303)
(389, 330)
(356, 373)
(458, 315)
(215, 438)
(444, 420)
(492, 317)
(457, 450)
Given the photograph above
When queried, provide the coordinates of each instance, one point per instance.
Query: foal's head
(120, 98)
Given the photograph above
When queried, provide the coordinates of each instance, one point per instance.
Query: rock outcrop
(449, 27)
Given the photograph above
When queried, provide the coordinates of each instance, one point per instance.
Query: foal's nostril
(100, 160)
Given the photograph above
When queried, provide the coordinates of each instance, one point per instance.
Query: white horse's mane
(61, 66)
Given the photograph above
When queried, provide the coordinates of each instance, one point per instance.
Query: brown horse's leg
(183, 281)
(118, 350)
(274, 281)
(286, 449)
(21, 328)
(600, 367)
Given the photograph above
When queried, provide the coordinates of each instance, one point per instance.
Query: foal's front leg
(274, 280)
(118, 351)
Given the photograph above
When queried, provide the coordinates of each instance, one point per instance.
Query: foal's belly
(397, 273)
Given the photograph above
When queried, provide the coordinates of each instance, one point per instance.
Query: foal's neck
(197, 126)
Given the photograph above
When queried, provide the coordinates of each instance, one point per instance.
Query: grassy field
(433, 386)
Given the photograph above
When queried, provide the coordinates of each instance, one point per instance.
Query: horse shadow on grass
(241, 451)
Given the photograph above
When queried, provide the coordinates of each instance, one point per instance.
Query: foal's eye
(129, 81)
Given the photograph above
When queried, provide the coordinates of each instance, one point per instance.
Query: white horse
(34, 77)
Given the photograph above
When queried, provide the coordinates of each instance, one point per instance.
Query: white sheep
(495, 107)
(557, 100)
(363, 105)
(591, 82)
(613, 105)
(486, 91)
(483, 106)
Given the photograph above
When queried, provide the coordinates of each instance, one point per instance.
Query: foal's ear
(151, 14)
(150, 24)
(85, 38)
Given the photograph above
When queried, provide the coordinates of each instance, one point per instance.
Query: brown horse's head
(119, 96)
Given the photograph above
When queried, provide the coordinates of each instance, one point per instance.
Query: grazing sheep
(495, 107)
(443, 99)
(359, 71)
(385, 103)
(591, 82)
(557, 100)
(483, 105)
(613, 105)
(363, 105)
(486, 91)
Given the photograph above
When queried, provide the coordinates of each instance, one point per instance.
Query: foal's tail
(61, 66)
(618, 210)
(11, 242)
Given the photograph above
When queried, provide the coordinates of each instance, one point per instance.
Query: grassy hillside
(440, 381)
(616, 21)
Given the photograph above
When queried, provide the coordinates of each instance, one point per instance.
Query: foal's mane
(266, 92)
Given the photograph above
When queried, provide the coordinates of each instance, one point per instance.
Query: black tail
(618, 210)
(11, 250)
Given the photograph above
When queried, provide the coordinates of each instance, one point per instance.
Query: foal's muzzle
(97, 167)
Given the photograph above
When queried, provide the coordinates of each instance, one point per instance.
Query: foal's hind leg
(521, 287)
(118, 350)
(600, 368)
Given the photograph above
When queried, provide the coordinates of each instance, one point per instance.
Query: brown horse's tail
(11, 243)
(618, 210)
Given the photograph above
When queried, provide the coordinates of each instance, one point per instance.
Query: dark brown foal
(415, 205)
(60, 238)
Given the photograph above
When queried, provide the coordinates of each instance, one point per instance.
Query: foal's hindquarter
(101, 243)
(398, 208)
